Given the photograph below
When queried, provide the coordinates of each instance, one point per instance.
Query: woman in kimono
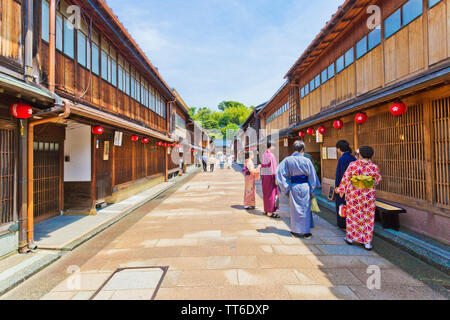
(250, 173)
(269, 186)
(297, 177)
(358, 187)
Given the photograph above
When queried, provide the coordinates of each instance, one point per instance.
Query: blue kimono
(343, 164)
(297, 176)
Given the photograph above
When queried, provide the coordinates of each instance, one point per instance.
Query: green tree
(230, 117)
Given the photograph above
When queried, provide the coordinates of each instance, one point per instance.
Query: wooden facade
(350, 68)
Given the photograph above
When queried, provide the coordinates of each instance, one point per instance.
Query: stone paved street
(216, 250)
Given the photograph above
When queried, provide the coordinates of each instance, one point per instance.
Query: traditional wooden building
(190, 137)
(102, 113)
(362, 62)
(249, 136)
(274, 122)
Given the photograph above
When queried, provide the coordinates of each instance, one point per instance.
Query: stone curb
(26, 273)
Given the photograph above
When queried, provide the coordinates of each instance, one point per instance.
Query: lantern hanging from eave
(361, 118)
(322, 129)
(145, 140)
(301, 134)
(398, 109)
(159, 144)
(310, 131)
(338, 124)
(98, 130)
(21, 111)
(134, 138)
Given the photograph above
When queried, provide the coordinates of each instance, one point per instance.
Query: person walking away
(297, 177)
(205, 162)
(198, 161)
(222, 162)
(269, 185)
(230, 162)
(250, 175)
(212, 162)
(358, 187)
(346, 157)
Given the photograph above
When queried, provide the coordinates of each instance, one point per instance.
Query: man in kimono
(346, 158)
(269, 186)
(297, 177)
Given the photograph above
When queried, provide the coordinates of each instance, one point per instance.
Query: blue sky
(215, 50)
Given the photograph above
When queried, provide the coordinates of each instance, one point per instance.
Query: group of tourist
(295, 176)
(212, 161)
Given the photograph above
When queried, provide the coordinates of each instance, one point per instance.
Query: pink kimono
(270, 189)
(250, 185)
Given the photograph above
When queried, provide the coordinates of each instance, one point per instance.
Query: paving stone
(326, 277)
(314, 292)
(389, 277)
(232, 262)
(83, 295)
(258, 277)
(207, 278)
(344, 250)
(326, 262)
(134, 279)
(281, 262)
(388, 293)
(294, 250)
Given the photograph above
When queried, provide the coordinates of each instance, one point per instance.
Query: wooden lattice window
(7, 156)
(399, 151)
(294, 114)
(441, 122)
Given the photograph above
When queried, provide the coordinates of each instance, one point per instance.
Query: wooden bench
(389, 215)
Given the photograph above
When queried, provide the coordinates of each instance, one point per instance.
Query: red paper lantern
(398, 109)
(338, 124)
(21, 111)
(361, 118)
(165, 145)
(98, 130)
(322, 130)
(134, 138)
(145, 140)
(301, 134)
(159, 144)
(310, 131)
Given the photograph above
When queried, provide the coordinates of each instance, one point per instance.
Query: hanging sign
(324, 153)
(332, 153)
(118, 136)
(319, 137)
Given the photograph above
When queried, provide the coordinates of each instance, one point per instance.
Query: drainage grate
(140, 283)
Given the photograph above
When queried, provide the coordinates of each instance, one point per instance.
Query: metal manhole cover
(141, 283)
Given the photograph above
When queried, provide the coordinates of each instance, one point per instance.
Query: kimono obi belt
(299, 180)
(362, 182)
